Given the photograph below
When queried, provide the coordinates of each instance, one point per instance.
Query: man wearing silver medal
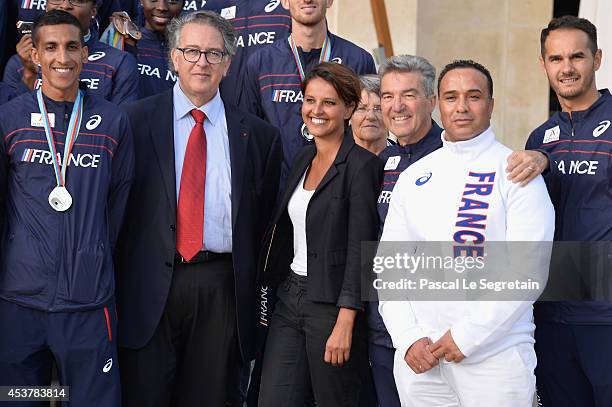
(66, 167)
(272, 76)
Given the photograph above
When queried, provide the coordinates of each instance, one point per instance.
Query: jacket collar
(472, 147)
(305, 158)
(582, 114)
(432, 138)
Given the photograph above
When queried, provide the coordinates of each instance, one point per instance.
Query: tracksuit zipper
(61, 237)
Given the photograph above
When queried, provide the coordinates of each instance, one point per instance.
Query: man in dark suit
(206, 180)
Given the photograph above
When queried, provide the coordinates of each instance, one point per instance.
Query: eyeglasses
(364, 110)
(75, 3)
(193, 55)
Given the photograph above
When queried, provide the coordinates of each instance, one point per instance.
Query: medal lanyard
(324, 57)
(71, 135)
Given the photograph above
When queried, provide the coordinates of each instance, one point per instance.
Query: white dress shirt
(217, 198)
(297, 208)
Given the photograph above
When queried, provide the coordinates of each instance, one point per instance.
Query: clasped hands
(424, 355)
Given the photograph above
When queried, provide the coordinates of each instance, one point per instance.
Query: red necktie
(190, 212)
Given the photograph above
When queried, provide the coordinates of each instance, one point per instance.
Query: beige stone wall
(352, 19)
(503, 35)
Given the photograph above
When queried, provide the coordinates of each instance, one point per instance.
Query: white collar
(183, 106)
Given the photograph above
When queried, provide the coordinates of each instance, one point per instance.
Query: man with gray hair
(407, 101)
(206, 179)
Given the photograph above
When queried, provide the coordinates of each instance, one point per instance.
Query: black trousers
(293, 359)
(194, 350)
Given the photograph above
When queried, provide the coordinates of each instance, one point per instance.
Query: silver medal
(305, 133)
(60, 199)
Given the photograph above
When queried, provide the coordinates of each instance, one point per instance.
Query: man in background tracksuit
(272, 76)
(575, 147)
(66, 166)
(152, 48)
(16, 13)
(109, 73)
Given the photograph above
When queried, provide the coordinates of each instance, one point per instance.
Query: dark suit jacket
(147, 245)
(340, 215)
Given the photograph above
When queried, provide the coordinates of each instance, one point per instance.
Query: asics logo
(271, 6)
(108, 366)
(603, 126)
(422, 180)
(93, 122)
(96, 55)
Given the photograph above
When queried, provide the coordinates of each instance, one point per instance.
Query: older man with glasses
(207, 177)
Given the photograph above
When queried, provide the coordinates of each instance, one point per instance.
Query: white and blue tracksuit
(431, 201)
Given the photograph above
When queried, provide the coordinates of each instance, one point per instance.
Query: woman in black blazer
(317, 336)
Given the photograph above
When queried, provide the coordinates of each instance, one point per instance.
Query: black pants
(293, 358)
(193, 352)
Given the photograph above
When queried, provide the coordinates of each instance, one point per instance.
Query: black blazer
(147, 243)
(340, 215)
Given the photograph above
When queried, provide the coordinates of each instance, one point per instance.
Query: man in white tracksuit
(466, 353)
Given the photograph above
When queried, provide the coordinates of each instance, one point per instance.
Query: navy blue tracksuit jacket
(61, 261)
(580, 151)
(152, 56)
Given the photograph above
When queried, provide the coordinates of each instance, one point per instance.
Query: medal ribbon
(71, 135)
(324, 57)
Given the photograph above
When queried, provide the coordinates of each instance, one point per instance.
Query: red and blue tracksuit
(152, 57)
(108, 73)
(573, 361)
(56, 268)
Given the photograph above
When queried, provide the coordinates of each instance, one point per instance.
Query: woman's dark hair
(342, 78)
